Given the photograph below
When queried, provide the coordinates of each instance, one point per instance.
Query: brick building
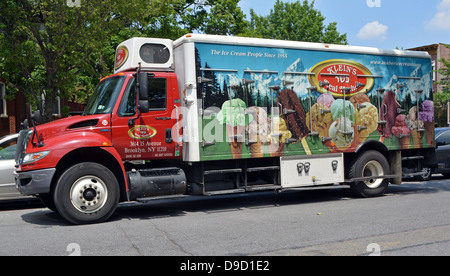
(14, 112)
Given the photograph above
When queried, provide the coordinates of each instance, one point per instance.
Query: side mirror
(36, 116)
(142, 85)
(144, 106)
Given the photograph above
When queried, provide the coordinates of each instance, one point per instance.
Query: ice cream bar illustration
(257, 130)
(388, 113)
(292, 113)
(233, 115)
(427, 116)
(401, 131)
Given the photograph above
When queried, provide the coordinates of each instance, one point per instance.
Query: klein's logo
(142, 132)
(334, 75)
(121, 56)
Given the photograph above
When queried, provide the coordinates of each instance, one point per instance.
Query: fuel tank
(146, 183)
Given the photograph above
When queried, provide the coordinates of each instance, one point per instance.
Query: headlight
(33, 157)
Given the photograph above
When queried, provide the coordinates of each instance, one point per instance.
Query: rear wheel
(366, 164)
(427, 173)
(86, 193)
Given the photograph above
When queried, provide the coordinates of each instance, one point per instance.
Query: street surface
(411, 219)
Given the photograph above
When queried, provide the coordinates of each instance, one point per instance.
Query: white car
(7, 155)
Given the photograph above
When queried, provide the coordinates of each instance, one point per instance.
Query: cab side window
(157, 96)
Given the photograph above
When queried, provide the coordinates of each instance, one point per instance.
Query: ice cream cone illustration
(257, 131)
(402, 132)
(417, 138)
(366, 121)
(427, 116)
(342, 133)
(319, 119)
(277, 136)
(341, 130)
(416, 126)
(233, 116)
(235, 133)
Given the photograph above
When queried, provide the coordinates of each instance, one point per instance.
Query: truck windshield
(105, 96)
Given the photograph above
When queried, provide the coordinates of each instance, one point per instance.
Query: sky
(386, 24)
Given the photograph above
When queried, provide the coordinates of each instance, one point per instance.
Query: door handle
(169, 138)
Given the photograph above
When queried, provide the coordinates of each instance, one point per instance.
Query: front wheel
(86, 193)
(369, 164)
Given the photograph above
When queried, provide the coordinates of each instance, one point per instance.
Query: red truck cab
(90, 150)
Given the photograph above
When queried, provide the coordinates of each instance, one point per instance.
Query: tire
(86, 193)
(48, 202)
(369, 163)
(426, 176)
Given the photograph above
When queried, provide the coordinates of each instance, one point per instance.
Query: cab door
(150, 135)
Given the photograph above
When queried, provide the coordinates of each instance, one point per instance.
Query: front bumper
(34, 182)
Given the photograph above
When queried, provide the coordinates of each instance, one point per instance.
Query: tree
(294, 21)
(441, 99)
(48, 45)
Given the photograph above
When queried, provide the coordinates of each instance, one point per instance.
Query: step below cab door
(153, 134)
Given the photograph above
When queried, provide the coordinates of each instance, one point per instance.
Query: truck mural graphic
(296, 102)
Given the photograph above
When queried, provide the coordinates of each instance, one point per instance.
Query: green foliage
(294, 21)
(441, 99)
(48, 49)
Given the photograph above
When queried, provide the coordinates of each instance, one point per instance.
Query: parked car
(442, 136)
(443, 151)
(7, 154)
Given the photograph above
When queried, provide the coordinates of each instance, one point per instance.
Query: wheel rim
(88, 194)
(426, 173)
(373, 168)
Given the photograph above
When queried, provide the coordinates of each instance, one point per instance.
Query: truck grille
(22, 142)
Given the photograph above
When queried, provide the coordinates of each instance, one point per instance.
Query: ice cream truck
(213, 115)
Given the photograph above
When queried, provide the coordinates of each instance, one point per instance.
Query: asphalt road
(411, 219)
